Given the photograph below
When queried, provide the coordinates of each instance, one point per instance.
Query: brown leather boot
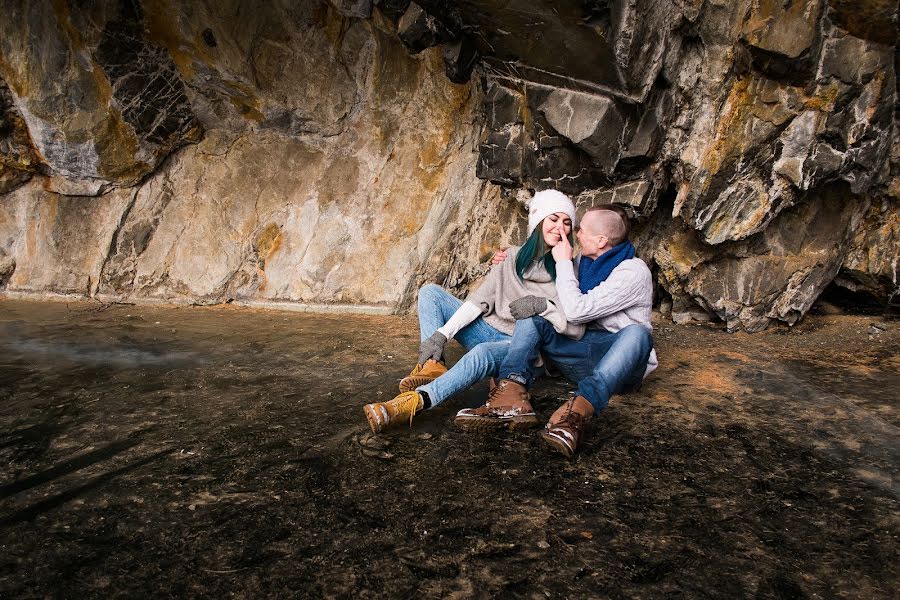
(422, 374)
(566, 426)
(507, 406)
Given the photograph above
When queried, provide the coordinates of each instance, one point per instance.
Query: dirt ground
(188, 452)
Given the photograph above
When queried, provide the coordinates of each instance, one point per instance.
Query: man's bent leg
(480, 362)
(507, 405)
(623, 364)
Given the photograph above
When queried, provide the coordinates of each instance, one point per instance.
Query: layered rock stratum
(344, 152)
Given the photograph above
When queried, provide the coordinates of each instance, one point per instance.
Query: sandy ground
(183, 452)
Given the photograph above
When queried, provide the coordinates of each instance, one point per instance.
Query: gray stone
(853, 60)
(873, 20)
(18, 158)
(649, 132)
(460, 57)
(418, 29)
(10, 179)
(636, 195)
(797, 142)
(754, 142)
(685, 309)
(501, 106)
(782, 38)
(593, 123)
(59, 243)
(775, 275)
(641, 32)
(393, 9)
(788, 28)
(360, 9)
(500, 156)
(873, 262)
(102, 103)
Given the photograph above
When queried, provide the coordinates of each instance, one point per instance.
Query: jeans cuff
(520, 379)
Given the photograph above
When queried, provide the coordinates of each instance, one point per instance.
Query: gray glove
(526, 307)
(433, 347)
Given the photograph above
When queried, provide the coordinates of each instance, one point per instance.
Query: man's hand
(499, 256)
(527, 307)
(563, 249)
(433, 347)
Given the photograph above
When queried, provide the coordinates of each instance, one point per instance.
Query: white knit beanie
(545, 203)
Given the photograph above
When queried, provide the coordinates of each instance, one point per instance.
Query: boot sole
(557, 444)
(372, 418)
(476, 423)
(408, 384)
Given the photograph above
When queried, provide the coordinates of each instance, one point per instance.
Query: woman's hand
(527, 307)
(432, 348)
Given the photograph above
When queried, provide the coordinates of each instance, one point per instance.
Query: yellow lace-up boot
(397, 410)
(422, 374)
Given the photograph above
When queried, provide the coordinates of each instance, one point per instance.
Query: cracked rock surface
(345, 152)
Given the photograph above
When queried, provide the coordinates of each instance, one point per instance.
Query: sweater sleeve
(557, 317)
(464, 315)
(622, 289)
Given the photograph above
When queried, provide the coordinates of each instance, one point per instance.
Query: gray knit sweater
(502, 286)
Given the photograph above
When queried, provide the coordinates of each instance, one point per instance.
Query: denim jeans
(486, 347)
(601, 363)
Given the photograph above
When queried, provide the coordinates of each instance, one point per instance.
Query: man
(613, 294)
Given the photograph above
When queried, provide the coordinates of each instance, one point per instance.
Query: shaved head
(606, 221)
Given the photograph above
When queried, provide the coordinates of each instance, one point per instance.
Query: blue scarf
(594, 271)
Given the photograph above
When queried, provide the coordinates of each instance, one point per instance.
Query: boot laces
(408, 401)
(497, 389)
(572, 419)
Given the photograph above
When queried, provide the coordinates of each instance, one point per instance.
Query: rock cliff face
(344, 152)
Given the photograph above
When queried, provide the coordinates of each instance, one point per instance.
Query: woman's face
(554, 225)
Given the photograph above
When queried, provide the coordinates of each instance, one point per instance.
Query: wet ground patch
(210, 452)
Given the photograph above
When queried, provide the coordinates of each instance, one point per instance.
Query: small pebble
(373, 441)
(374, 453)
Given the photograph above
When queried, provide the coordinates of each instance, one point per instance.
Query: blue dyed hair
(534, 249)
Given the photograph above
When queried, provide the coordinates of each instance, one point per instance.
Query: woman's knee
(431, 296)
(536, 323)
(430, 291)
(542, 324)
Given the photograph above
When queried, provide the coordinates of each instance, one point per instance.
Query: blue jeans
(486, 346)
(601, 363)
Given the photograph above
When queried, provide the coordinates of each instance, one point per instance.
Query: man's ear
(605, 242)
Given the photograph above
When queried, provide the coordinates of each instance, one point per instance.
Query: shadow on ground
(209, 452)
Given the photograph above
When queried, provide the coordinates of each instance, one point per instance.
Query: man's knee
(637, 334)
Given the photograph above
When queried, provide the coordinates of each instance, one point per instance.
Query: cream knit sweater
(624, 298)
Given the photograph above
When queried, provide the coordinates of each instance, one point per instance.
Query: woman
(483, 324)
